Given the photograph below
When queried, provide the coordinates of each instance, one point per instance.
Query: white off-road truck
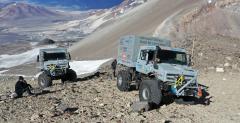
(54, 64)
(155, 68)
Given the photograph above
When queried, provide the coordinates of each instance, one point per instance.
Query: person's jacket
(21, 86)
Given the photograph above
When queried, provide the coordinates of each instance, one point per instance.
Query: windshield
(172, 57)
(54, 56)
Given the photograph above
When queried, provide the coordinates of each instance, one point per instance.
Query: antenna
(195, 35)
(193, 45)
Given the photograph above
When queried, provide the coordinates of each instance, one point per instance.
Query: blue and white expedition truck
(155, 68)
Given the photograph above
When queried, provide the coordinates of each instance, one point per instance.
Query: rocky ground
(14, 48)
(209, 32)
(211, 52)
(97, 99)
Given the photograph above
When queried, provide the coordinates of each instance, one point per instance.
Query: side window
(43, 56)
(143, 55)
(147, 55)
(150, 55)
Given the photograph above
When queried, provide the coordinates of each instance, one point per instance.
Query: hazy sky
(73, 4)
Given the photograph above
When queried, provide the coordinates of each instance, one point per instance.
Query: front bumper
(186, 88)
(57, 72)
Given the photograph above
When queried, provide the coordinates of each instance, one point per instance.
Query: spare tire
(44, 80)
(123, 80)
(149, 91)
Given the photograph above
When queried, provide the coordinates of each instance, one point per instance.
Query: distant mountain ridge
(80, 4)
(2, 5)
(17, 11)
(74, 4)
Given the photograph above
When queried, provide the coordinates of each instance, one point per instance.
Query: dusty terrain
(143, 20)
(99, 100)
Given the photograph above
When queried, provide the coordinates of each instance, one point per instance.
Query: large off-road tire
(150, 91)
(71, 76)
(123, 80)
(44, 80)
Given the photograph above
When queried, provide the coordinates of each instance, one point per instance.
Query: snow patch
(8, 61)
(34, 43)
(16, 75)
(86, 67)
(69, 24)
(3, 71)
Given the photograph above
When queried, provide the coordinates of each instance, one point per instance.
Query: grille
(188, 77)
(173, 77)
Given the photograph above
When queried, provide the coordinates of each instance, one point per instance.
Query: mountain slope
(17, 11)
(143, 20)
(2, 5)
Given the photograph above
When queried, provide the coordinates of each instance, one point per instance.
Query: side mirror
(69, 56)
(38, 58)
(189, 60)
(147, 62)
(191, 63)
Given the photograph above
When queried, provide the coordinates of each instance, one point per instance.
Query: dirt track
(143, 20)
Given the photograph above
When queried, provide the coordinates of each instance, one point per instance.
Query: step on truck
(155, 69)
(54, 65)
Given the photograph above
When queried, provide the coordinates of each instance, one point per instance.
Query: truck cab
(53, 56)
(166, 64)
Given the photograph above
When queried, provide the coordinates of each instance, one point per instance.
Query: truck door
(145, 61)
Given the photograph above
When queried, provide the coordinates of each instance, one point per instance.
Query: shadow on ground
(44, 92)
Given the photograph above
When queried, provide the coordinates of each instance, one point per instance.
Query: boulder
(63, 107)
(219, 70)
(229, 58)
(46, 41)
(140, 106)
(226, 65)
(34, 117)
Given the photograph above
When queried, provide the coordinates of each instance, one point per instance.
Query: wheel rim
(42, 82)
(145, 94)
(119, 80)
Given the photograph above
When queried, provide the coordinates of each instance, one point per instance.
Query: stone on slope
(140, 106)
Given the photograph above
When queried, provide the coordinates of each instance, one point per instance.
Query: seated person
(21, 87)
